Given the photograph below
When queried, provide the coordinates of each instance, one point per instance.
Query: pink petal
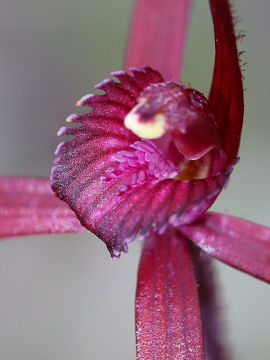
(168, 323)
(117, 184)
(226, 95)
(28, 206)
(157, 35)
(237, 242)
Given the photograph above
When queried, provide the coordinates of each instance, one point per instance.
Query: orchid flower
(148, 161)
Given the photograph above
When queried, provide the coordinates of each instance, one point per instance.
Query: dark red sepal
(157, 36)
(237, 242)
(28, 206)
(226, 95)
(168, 322)
(215, 339)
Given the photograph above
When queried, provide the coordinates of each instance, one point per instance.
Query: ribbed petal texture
(157, 35)
(28, 206)
(237, 242)
(168, 323)
(118, 184)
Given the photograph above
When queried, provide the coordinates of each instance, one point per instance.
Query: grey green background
(62, 297)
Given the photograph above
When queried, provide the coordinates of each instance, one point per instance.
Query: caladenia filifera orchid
(148, 160)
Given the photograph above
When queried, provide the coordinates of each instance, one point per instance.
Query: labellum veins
(168, 169)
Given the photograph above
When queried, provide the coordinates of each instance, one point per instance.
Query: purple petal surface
(28, 206)
(168, 323)
(118, 184)
(157, 35)
(237, 242)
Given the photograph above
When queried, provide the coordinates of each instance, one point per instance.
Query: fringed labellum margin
(120, 184)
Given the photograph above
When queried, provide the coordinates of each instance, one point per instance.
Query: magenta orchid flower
(148, 161)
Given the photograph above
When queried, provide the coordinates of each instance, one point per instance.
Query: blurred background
(62, 297)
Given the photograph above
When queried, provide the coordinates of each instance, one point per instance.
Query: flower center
(193, 169)
(180, 122)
